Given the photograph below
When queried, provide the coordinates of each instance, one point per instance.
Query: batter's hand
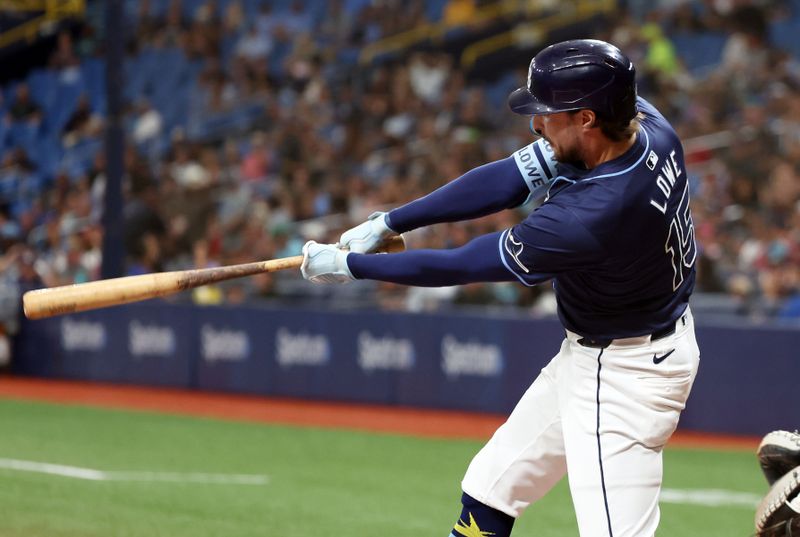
(366, 237)
(325, 263)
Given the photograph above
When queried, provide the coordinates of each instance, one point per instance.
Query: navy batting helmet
(577, 74)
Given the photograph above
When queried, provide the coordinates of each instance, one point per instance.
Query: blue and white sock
(479, 520)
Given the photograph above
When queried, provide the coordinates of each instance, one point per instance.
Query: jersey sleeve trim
(500, 244)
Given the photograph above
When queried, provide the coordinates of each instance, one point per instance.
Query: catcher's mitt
(778, 515)
(778, 453)
(787, 528)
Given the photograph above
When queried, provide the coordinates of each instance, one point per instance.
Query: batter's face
(563, 131)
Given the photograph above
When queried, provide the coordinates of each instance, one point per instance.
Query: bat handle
(393, 245)
(390, 245)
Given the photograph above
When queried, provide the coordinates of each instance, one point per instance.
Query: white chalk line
(90, 474)
(705, 497)
(710, 497)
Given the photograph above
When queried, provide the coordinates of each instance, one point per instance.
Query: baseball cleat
(780, 508)
(778, 453)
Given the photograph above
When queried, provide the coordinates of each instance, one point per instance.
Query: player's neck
(600, 149)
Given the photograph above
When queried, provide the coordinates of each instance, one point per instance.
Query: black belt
(658, 334)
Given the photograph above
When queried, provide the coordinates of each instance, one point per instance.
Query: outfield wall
(749, 379)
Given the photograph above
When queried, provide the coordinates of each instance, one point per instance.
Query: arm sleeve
(484, 190)
(477, 261)
(490, 188)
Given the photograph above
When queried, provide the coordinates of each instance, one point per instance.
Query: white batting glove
(367, 236)
(325, 263)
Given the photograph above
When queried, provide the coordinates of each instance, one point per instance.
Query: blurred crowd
(334, 140)
(740, 123)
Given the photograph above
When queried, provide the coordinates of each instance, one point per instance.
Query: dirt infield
(427, 423)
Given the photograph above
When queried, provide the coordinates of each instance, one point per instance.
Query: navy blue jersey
(618, 242)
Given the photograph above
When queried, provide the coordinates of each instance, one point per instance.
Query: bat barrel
(102, 293)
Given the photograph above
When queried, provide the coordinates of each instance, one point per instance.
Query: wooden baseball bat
(53, 301)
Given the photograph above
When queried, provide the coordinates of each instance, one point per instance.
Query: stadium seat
(64, 105)
(22, 133)
(10, 91)
(277, 57)
(9, 184)
(93, 72)
(43, 85)
(497, 92)
(434, 10)
(354, 6)
(158, 8)
(699, 52)
(79, 158)
(349, 56)
(134, 78)
(228, 47)
(29, 186)
(251, 8)
(4, 137)
(784, 34)
(48, 153)
(189, 7)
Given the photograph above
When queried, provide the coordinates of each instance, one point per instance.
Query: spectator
(428, 73)
(82, 123)
(186, 170)
(266, 21)
(661, 57)
(87, 43)
(11, 289)
(459, 12)
(297, 20)
(148, 125)
(23, 108)
(746, 48)
(147, 256)
(234, 18)
(256, 162)
(64, 56)
(144, 229)
(413, 122)
(336, 27)
(254, 47)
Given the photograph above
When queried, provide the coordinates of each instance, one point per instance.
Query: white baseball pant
(602, 416)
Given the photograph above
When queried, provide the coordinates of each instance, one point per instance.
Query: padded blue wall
(747, 384)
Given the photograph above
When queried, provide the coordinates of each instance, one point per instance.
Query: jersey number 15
(680, 244)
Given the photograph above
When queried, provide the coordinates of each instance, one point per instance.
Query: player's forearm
(484, 190)
(476, 261)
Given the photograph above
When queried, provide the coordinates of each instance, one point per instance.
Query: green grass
(322, 482)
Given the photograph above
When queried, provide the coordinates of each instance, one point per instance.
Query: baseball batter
(615, 236)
